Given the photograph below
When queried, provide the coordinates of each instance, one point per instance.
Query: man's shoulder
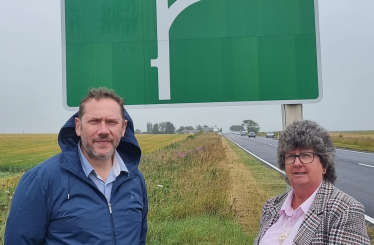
(47, 167)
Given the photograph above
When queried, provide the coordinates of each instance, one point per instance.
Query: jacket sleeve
(143, 232)
(28, 220)
(351, 227)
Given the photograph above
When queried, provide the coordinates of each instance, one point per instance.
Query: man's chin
(101, 155)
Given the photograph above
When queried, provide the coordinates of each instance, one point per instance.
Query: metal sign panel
(178, 53)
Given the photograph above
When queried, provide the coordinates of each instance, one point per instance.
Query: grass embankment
(355, 140)
(202, 192)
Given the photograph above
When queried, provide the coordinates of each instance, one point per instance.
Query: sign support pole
(291, 113)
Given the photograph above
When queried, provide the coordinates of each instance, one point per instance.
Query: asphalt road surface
(355, 170)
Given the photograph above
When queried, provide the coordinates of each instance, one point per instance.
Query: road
(355, 170)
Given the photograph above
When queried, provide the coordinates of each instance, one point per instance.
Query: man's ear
(77, 126)
(124, 128)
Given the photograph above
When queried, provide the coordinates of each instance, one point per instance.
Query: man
(90, 193)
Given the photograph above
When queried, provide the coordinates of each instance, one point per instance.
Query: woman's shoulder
(277, 200)
(343, 201)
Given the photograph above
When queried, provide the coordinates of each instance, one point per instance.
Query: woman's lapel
(313, 218)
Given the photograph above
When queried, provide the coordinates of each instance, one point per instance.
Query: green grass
(208, 229)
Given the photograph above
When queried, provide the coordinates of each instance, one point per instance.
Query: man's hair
(101, 93)
(306, 134)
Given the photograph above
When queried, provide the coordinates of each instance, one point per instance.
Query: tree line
(169, 128)
(247, 125)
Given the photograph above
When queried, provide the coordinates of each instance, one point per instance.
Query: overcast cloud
(31, 85)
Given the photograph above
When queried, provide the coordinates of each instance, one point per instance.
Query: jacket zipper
(111, 218)
(109, 204)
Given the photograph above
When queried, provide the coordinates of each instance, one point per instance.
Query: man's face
(100, 128)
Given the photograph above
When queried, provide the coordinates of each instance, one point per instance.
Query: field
(202, 189)
(356, 140)
(152, 142)
(20, 152)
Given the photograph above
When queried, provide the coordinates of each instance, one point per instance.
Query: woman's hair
(306, 134)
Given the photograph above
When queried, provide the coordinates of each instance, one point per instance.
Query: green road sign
(178, 53)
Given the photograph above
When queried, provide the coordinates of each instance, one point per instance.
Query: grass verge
(205, 190)
(371, 234)
(188, 194)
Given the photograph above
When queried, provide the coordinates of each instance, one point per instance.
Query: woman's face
(304, 176)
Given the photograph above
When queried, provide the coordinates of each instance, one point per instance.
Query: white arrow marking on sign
(166, 17)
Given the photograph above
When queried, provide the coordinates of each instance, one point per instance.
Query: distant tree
(180, 130)
(251, 126)
(161, 127)
(169, 128)
(155, 129)
(205, 126)
(199, 127)
(137, 131)
(237, 128)
(189, 128)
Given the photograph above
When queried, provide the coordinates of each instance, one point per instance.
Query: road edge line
(259, 158)
(367, 218)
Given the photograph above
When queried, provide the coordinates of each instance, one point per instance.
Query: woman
(314, 211)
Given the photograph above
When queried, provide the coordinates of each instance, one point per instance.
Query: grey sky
(31, 86)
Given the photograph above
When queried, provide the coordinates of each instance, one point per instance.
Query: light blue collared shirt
(104, 186)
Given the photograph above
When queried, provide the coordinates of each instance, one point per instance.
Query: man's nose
(103, 128)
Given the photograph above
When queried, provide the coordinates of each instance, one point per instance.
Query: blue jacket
(55, 203)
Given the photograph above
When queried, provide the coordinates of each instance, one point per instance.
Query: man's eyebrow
(106, 119)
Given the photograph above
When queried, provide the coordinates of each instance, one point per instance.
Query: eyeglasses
(305, 157)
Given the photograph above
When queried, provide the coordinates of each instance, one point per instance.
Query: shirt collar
(118, 164)
(287, 208)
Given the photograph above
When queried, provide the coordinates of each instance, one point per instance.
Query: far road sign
(178, 53)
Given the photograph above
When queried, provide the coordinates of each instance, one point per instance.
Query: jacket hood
(128, 147)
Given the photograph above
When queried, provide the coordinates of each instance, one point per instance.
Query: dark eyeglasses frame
(283, 156)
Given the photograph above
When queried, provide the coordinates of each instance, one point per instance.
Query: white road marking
(366, 165)
(369, 219)
(262, 160)
(368, 153)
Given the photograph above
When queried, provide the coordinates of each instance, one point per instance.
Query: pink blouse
(289, 219)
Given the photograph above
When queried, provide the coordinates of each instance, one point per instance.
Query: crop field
(21, 152)
(153, 142)
(356, 140)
